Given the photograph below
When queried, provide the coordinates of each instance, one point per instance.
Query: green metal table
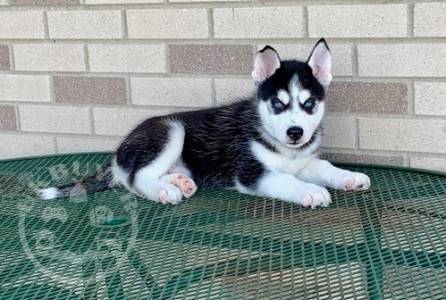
(385, 243)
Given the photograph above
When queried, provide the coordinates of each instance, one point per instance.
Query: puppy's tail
(101, 181)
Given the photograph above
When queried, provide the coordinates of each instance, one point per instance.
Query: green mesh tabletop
(385, 243)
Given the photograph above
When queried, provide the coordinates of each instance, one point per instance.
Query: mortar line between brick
(91, 117)
(55, 144)
(406, 159)
(52, 91)
(178, 107)
(225, 41)
(410, 19)
(129, 90)
(363, 152)
(411, 97)
(356, 132)
(125, 29)
(325, 149)
(198, 5)
(428, 155)
(86, 59)
(213, 92)
(58, 134)
(306, 21)
(211, 32)
(355, 61)
(162, 5)
(386, 116)
(16, 114)
(254, 51)
(46, 25)
(167, 59)
(19, 124)
(11, 58)
(212, 75)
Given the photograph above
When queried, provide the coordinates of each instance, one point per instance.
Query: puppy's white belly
(277, 162)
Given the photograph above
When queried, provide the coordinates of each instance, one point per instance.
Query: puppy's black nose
(295, 133)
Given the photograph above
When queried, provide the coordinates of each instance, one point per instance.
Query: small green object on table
(385, 243)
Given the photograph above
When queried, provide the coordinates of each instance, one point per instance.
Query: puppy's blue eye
(277, 104)
(309, 104)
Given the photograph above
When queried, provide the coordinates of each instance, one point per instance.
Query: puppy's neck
(310, 148)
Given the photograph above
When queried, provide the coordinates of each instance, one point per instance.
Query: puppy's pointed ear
(266, 63)
(320, 62)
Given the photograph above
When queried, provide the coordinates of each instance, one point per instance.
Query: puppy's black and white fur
(266, 145)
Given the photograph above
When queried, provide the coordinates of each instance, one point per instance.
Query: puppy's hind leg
(160, 191)
(147, 179)
(186, 184)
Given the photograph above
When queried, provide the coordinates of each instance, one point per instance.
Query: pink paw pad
(186, 185)
(164, 197)
(307, 201)
(350, 184)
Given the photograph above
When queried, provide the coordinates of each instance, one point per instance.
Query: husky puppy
(265, 145)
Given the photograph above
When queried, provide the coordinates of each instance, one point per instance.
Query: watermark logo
(78, 240)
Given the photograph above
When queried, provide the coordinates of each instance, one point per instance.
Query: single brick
(24, 88)
(19, 145)
(44, 2)
(339, 132)
(430, 98)
(430, 19)
(119, 121)
(85, 24)
(4, 57)
(211, 59)
(388, 20)
(233, 89)
(21, 25)
(7, 118)
(258, 22)
(429, 163)
(367, 97)
(171, 91)
(61, 119)
(167, 23)
(402, 59)
(421, 135)
(127, 58)
(342, 55)
(49, 57)
(90, 90)
(364, 158)
(86, 144)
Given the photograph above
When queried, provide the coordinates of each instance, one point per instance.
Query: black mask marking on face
(309, 105)
(281, 79)
(277, 105)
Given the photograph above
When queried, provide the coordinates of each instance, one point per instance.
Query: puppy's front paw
(351, 181)
(313, 196)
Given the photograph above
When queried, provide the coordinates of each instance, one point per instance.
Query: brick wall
(76, 75)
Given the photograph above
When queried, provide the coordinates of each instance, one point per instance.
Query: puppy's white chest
(291, 165)
(278, 162)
